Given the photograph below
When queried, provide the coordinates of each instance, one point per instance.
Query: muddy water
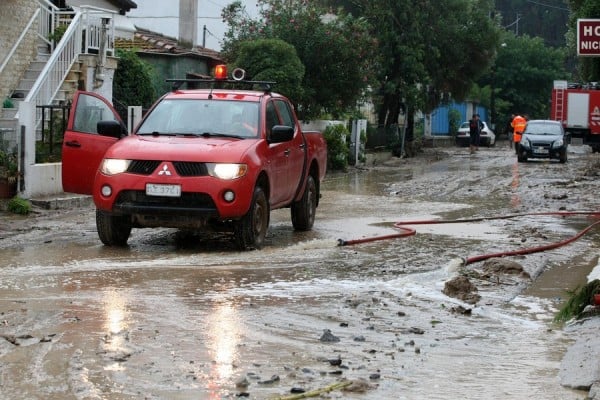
(177, 316)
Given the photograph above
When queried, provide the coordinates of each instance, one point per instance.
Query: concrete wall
(10, 30)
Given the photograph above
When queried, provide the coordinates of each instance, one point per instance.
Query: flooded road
(182, 316)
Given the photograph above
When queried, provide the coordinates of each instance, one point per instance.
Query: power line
(548, 5)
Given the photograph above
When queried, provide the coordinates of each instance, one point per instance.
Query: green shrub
(336, 137)
(17, 205)
(8, 103)
(454, 120)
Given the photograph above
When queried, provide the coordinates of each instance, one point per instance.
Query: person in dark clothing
(475, 127)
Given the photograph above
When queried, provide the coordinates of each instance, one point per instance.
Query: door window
(91, 110)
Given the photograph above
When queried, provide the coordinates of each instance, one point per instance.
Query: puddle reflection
(115, 325)
(515, 199)
(224, 339)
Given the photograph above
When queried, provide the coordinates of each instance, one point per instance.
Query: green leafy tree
(336, 50)
(428, 50)
(272, 60)
(525, 70)
(588, 67)
(133, 83)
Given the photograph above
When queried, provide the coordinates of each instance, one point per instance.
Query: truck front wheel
(250, 231)
(113, 230)
(303, 211)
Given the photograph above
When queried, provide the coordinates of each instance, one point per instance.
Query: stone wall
(15, 15)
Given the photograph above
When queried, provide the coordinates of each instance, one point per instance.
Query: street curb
(62, 201)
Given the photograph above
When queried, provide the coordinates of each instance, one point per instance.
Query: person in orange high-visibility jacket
(518, 124)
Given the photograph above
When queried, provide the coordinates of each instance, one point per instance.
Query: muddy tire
(303, 211)
(113, 230)
(250, 231)
(563, 158)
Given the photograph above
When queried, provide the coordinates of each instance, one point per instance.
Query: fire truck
(577, 107)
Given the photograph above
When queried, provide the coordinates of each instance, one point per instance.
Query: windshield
(202, 118)
(543, 129)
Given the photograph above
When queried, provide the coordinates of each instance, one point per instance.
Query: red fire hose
(405, 231)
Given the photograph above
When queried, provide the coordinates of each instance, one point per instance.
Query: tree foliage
(336, 50)
(526, 69)
(429, 50)
(272, 60)
(133, 83)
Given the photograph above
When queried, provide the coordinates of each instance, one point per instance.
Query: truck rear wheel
(113, 230)
(250, 231)
(303, 211)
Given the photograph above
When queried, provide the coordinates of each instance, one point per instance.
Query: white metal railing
(51, 19)
(88, 31)
(58, 66)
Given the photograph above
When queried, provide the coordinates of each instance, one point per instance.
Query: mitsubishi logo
(164, 171)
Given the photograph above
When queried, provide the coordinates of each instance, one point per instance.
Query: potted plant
(9, 173)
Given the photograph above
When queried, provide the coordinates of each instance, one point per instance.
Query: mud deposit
(185, 316)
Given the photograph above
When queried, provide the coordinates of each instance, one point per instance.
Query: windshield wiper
(156, 133)
(217, 134)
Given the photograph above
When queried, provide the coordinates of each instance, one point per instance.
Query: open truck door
(83, 144)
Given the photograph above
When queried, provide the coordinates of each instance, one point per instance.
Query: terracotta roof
(149, 42)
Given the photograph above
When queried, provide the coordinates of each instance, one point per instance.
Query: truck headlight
(114, 166)
(525, 143)
(558, 143)
(226, 171)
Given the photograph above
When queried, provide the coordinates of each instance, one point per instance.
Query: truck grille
(137, 202)
(142, 167)
(183, 168)
(190, 168)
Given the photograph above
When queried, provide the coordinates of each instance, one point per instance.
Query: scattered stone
(242, 383)
(374, 376)
(274, 378)
(328, 336)
(335, 361)
(297, 390)
(359, 338)
(461, 310)
(344, 324)
(358, 386)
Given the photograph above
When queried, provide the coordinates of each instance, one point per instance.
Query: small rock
(242, 383)
(328, 336)
(274, 378)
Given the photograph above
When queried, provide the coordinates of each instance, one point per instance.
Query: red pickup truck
(209, 158)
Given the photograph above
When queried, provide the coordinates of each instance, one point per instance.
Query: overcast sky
(163, 16)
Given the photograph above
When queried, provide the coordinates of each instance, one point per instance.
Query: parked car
(487, 138)
(543, 139)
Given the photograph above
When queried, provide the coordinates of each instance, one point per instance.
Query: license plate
(540, 150)
(153, 189)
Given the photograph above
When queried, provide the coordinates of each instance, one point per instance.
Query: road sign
(588, 37)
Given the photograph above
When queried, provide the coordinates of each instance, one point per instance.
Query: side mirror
(111, 128)
(281, 133)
